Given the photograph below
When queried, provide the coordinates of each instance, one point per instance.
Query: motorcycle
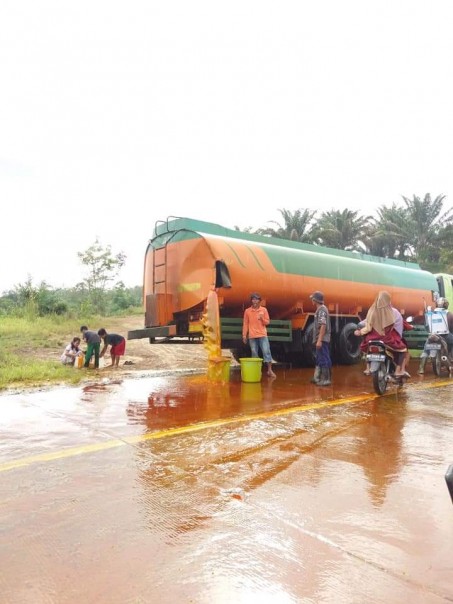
(382, 366)
(437, 352)
(436, 347)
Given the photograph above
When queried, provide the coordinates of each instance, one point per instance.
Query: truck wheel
(308, 354)
(348, 345)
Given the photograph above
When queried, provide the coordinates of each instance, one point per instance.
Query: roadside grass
(35, 333)
(16, 371)
(30, 349)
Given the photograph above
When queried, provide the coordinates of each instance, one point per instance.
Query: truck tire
(308, 354)
(348, 345)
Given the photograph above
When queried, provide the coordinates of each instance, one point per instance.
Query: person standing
(321, 340)
(254, 327)
(93, 346)
(117, 345)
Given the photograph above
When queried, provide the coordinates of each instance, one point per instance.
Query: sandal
(367, 372)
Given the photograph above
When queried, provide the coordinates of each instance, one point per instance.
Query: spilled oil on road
(174, 488)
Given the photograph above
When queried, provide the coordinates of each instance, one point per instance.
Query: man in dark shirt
(117, 345)
(93, 346)
(321, 339)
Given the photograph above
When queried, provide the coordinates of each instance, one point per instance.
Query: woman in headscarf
(380, 325)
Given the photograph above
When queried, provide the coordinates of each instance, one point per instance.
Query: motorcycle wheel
(379, 379)
(436, 364)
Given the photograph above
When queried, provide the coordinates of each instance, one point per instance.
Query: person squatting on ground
(321, 340)
(93, 346)
(71, 352)
(117, 345)
(256, 318)
(380, 325)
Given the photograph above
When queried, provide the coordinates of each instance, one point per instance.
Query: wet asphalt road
(172, 489)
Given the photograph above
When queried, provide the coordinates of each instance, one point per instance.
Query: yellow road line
(247, 418)
(111, 444)
(28, 461)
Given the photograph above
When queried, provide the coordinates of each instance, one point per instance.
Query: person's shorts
(119, 349)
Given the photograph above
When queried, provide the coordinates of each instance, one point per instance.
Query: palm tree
(446, 249)
(297, 226)
(342, 229)
(387, 236)
(426, 220)
(413, 231)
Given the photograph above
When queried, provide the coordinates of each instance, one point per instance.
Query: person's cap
(255, 295)
(317, 297)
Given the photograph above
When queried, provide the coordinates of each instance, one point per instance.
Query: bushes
(28, 300)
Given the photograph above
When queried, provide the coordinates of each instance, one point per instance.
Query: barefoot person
(256, 318)
(117, 345)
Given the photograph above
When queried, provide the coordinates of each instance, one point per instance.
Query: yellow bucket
(251, 369)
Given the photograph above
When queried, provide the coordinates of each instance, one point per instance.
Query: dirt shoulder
(141, 356)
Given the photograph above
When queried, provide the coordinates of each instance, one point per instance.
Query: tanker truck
(186, 259)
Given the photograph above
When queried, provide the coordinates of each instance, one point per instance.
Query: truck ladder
(160, 262)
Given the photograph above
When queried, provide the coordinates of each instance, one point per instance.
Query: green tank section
(295, 258)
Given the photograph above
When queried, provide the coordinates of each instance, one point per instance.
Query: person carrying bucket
(256, 318)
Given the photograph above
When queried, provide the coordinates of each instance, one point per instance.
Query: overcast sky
(116, 115)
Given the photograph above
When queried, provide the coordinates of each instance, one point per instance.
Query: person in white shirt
(71, 352)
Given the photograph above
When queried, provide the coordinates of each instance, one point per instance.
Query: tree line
(99, 293)
(415, 230)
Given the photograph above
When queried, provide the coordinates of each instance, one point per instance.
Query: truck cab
(445, 285)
